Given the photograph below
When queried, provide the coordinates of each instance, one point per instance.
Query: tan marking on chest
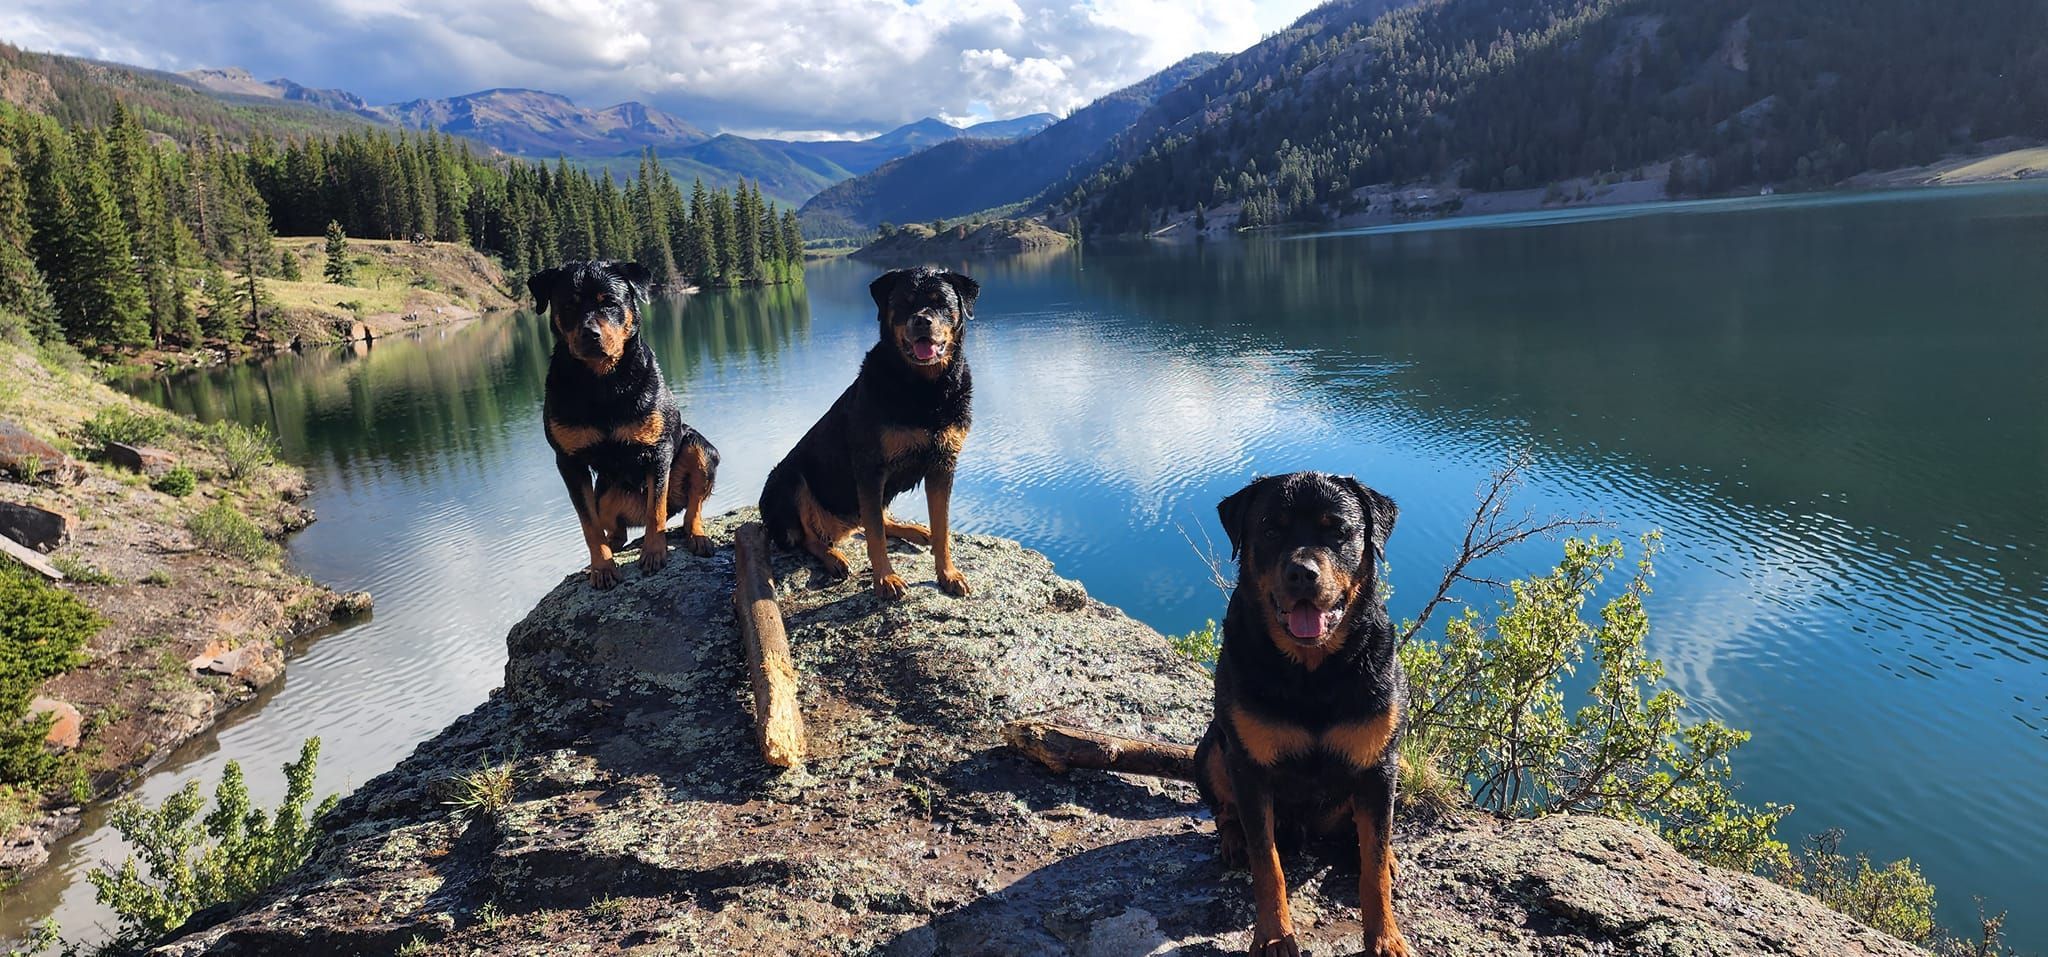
(952, 439)
(1268, 741)
(574, 438)
(1363, 743)
(904, 443)
(647, 431)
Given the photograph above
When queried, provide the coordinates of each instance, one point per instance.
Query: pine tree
(222, 321)
(22, 292)
(702, 258)
(103, 301)
(339, 270)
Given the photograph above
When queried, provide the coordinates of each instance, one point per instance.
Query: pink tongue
(1305, 623)
(924, 350)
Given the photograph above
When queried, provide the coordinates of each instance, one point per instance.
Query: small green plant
(176, 483)
(1490, 700)
(490, 916)
(189, 863)
(42, 630)
(607, 908)
(484, 794)
(221, 529)
(160, 577)
(76, 570)
(1200, 646)
(116, 423)
(414, 946)
(28, 469)
(244, 449)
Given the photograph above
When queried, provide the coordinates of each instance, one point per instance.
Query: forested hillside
(973, 174)
(84, 92)
(111, 239)
(1503, 95)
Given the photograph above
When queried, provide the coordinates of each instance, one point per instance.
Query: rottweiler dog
(901, 422)
(619, 439)
(1308, 697)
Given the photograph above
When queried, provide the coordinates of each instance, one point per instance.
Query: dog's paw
(912, 532)
(653, 555)
(890, 586)
(1283, 945)
(1230, 841)
(698, 545)
(836, 569)
(1390, 944)
(953, 583)
(603, 577)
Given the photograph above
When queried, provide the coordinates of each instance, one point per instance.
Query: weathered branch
(777, 722)
(1490, 532)
(30, 558)
(1062, 748)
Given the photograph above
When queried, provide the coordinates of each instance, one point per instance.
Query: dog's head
(1307, 546)
(923, 314)
(595, 305)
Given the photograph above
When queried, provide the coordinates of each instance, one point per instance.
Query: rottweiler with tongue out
(902, 422)
(1308, 697)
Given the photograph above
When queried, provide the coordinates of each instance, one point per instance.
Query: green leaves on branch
(189, 863)
(1490, 701)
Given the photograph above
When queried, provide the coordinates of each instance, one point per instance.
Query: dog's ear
(542, 284)
(1236, 511)
(635, 276)
(885, 285)
(1379, 509)
(965, 287)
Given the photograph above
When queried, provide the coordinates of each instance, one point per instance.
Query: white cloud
(770, 64)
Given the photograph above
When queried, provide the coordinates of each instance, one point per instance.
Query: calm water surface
(1833, 408)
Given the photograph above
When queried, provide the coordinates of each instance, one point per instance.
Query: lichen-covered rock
(641, 820)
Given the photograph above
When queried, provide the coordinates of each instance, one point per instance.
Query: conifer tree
(339, 270)
(103, 301)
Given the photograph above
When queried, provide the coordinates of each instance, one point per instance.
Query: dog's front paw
(1281, 946)
(953, 583)
(889, 586)
(911, 532)
(698, 545)
(603, 577)
(1230, 841)
(1388, 944)
(653, 554)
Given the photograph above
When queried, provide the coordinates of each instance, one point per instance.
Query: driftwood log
(28, 557)
(1061, 748)
(778, 724)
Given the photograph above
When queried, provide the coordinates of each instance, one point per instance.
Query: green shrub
(116, 423)
(41, 631)
(76, 570)
(1895, 899)
(177, 483)
(224, 530)
(244, 449)
(1200, 646)
(1489, 701)
(189, 863)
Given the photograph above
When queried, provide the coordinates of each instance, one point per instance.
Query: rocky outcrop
(917, 242)
(638, 817)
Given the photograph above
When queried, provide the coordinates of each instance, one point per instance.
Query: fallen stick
(777, 722)
(1061, 748)
(29, 557)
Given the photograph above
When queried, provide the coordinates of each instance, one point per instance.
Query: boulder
(639, 817)
(69, 727)
(256, 663)
(19, 448)
(136, 458)
(36, 527)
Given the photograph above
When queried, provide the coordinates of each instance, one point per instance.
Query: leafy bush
(192, 863)
(244, 449)
(41, 631)
(115, 423)
(177, 483)
(222, 529)
(1200, 646)
(1489, 700)
(1895, 899)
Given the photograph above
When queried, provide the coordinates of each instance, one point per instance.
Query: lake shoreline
(192, 633)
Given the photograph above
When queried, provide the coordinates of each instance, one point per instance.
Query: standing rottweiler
(610, 414)
(901, 422)
(1308, 696)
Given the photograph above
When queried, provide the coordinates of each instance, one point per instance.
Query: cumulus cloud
(768, 64)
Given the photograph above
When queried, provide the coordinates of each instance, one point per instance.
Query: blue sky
(817, 66)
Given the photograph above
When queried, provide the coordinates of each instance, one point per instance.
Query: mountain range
(537, 123)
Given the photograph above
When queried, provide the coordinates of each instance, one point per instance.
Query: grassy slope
(393, 279)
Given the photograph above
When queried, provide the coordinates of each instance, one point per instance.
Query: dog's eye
(604, 299)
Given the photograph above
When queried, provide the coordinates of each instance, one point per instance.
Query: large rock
(19, 448)
(640, 819)
(136, 458)
(68, 727)
(34, 526)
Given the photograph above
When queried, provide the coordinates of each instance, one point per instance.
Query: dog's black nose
(1300, 574)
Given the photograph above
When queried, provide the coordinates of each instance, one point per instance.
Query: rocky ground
(190, 633)
(610, 799)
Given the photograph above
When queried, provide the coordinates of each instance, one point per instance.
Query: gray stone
(136, 458)
(34, 526)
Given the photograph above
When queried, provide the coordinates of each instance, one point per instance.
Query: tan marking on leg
(693, 469)
(1376, 887)
(938, 496)
(910, 532)
(823, 531)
